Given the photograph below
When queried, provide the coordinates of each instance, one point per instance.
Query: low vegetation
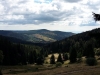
(91, 61)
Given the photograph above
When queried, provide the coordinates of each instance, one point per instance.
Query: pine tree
(73, 55)
(1, 56)
(52, 59)
(40, 59)
(89, 51)
(65, 56)
(59, 59)
(31, 58)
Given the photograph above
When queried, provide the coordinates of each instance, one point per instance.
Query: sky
(63, 15)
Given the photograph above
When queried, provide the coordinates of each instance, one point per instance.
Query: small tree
(65, 56)
(52, 59)
(59, 59)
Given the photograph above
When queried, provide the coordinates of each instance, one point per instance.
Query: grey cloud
(72, 1)
(43, 16)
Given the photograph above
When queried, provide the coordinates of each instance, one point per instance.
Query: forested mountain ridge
(18, 54)
(37, 36)
(12, 34)
(79, 40)
(45, 36)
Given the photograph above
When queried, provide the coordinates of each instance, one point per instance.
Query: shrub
(58, 64)
(91, 61)
(79, 60)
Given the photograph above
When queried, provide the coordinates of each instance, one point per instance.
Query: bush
(79, 60)
(58, 64)
(91, 61)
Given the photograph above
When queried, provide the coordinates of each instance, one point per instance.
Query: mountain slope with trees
(37, 36)
(19, 54)
(82, 43)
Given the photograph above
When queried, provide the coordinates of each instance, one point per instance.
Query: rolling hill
(37, 36)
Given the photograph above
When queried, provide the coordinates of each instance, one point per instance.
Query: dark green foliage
(31, 58)
(65, 56)
(14, 54)
(89, 48)
(52, 59)
(59, 59)
(79, 57)
(1, 57)
(73, 55)
(91, 61)
(97, 52)
(58, 64)
(1, 73)
(46, 54)
(82, 42)
(40, 59)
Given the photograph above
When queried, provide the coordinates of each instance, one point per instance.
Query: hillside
(81, 39)
(37, 36)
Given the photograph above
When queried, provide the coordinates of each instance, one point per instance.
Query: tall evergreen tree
(73, 55)
(1, 57)
(40, 59)
(89, 49)
(59, 59)
(65, 56)
(31, 58)
(52, 59)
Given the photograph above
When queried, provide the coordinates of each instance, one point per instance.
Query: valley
(72, 55)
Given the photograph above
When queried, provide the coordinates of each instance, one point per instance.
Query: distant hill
(37, 36)
(81, 38)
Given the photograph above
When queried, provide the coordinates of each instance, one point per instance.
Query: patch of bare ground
(71, 69)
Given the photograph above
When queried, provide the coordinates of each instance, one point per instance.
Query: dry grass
(72, 69)
(47, 69)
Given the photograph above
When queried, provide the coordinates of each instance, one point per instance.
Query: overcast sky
(64, 15)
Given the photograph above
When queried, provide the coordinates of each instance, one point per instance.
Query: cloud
(68, 13)
(72, 1)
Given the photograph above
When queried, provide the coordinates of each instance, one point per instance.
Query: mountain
(81, 40)
(12, 34)
(37, 36)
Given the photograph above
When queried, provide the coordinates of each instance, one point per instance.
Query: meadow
(48, 69)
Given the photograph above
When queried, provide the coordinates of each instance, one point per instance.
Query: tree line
(20, 54)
